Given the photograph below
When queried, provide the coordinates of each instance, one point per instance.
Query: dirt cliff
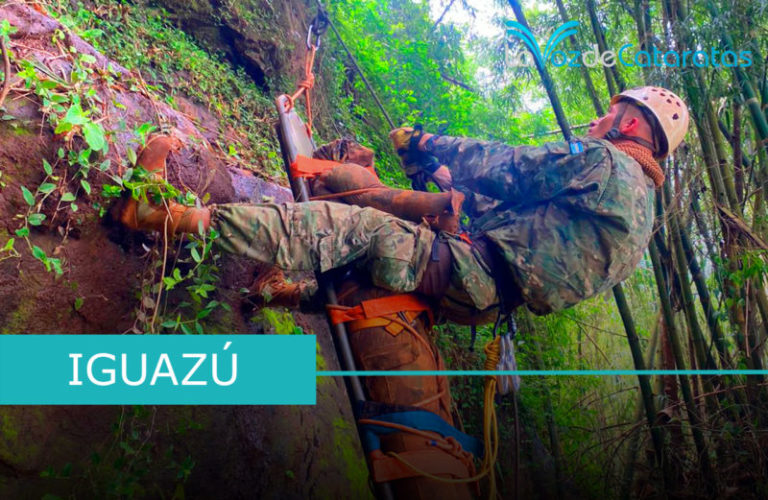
(107, 274)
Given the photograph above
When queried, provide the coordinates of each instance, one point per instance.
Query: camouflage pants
(319, 236)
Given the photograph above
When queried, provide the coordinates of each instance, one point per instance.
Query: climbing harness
(367, 311)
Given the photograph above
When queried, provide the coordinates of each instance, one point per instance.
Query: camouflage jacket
(569, 226)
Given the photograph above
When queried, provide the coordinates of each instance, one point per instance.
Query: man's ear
(630, 125)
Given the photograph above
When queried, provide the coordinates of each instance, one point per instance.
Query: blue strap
(576, 146)
(418, 419)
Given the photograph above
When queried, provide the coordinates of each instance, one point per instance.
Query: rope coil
(645, 158)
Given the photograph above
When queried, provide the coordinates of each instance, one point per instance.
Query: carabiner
(318, 25)
(309, 38)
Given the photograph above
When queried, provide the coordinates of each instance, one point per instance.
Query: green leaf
(46, 187)
(9, 245)
(48, 84)
(39, 253)
(195, 255)
(62, 127)
(168, 324)
(203, 314)
(67, 197)
(144, 129)
(78, 303)
(94, 136)
(56, 263)
(87, 58)
(105, 165)
(131, 156)
(47, 167)
(75, 115)
(73, 207)
(6, 28)
(91, 34)
(110, 191)
(86, 186)
(36, 219)
(82, 157)
(28, 196)
(22, 232)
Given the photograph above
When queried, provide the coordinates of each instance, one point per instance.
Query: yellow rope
(490, 424)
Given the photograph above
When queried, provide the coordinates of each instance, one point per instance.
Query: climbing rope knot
(492, 354)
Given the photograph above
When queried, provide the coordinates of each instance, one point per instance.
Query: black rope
(357, 67)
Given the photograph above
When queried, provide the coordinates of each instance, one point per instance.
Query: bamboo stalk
(549, 85)
(611, 74)
(747, 91)
(583, 68)
(693, 415)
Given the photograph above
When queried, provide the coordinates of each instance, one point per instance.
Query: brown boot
(442, 210)
(172, 217)
(271, 289)
(176, 218)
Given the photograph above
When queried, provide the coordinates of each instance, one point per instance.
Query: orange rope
(343, 193)
(448, 444)
(644, 157)
(304, 87)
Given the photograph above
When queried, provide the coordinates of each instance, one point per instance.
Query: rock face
(179, 452)
(255, 34)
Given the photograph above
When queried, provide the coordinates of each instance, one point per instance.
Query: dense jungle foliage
(697, 300)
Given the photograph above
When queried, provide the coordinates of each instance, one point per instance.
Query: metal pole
(340, 337)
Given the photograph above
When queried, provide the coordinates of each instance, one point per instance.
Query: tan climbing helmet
(670, 111)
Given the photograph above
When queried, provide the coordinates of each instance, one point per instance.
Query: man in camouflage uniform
(573, 219)
(560, 223)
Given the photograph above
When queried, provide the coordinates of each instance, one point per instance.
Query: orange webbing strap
(309, 168)
(387, 322)
(376, 308)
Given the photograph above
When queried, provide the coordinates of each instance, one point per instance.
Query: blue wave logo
(515, 29)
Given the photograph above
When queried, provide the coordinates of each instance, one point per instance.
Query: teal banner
(157, 369)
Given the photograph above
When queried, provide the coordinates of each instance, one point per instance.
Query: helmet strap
(614, 133)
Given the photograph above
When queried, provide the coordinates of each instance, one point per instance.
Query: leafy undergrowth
(173, 65)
